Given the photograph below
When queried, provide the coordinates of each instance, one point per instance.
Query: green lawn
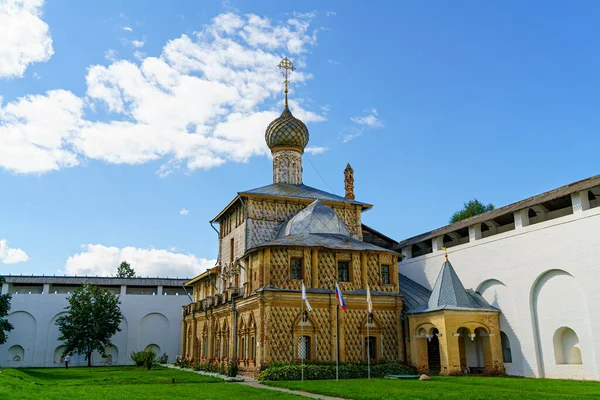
(121, 383)
(463, 388)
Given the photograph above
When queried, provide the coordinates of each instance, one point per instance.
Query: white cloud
(330, 13)
(127, 28)
(137, 43)
(371, 120)
(184, 211)
(35, 130)
(200, 104)
(140, 55)
(24, 37)
(352, 133)
(361, 123)
(110, 54)
(97, 259)
(11, 256)
(314, 150)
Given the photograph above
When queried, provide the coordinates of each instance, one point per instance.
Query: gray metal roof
(300, 192)
(449, 294)
(316, 218)
(551, 195)
(449, 290)
(99, 281)
(414, 294)
(327, 240)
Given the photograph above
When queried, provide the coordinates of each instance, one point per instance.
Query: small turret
(349, 182)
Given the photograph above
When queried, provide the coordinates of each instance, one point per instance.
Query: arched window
(506, 353)
(566, 346)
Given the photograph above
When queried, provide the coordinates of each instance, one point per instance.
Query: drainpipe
(234, 311)
(188, 295)
(403, 327)
(212, 226)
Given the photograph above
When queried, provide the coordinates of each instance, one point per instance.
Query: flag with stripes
(340, 297)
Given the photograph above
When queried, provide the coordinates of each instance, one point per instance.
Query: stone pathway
(254, 383)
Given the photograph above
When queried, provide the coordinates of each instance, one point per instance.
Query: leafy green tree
(93, 317)
(125, 271)
(5, 326)
(470, 209)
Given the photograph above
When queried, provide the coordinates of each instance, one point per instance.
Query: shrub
(312, 371)
(232, 369)
(138, 358)
(163, 359)
(149, 358)
(146, 357)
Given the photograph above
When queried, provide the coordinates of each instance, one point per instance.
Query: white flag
(369, 302)
(308, 307)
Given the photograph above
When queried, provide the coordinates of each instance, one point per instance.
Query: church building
(275, 239)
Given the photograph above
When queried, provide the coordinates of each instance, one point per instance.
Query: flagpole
(302, 333)
(368, 348)
(337, 343)
(369, 312)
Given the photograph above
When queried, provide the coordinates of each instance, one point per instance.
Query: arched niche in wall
(59, 355)
(155, 348)
(499, 295)
(23, 334)
(153, 328)
(52, 342)
(566, 346)
(506, 348)
(16, 354)
(560, 320)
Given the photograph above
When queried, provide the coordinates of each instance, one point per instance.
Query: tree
(5, 326)
(470, 209)
(125, 271)
(93, 317)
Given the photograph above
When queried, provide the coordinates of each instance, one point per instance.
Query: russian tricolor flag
(338, 294)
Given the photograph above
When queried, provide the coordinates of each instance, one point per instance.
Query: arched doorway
(474, 350)
(433, 352)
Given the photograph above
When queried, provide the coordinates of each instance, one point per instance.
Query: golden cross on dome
(286, 67)
(445, 253)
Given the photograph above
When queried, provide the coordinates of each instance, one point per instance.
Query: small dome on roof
(316, 218)
(287, 131)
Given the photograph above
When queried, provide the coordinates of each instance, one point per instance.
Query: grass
(463, 388)
(120, 383)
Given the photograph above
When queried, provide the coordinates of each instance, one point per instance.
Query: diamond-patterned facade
(257, 235)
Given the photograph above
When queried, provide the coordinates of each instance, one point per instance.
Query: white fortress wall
(150, 319)
(545, 278)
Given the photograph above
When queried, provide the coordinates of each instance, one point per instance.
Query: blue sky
(126, 126)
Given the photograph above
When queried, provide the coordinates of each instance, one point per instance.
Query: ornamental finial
(445, 253)
(286, 68)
